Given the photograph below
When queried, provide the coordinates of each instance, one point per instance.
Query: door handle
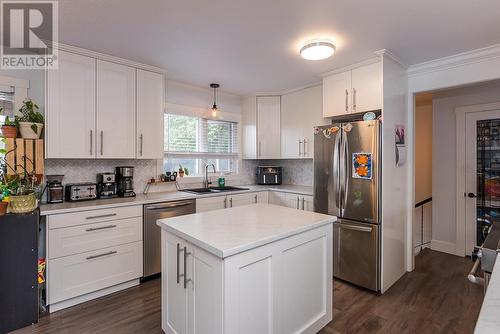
(225, 203)
(304, 152)
(102, 139)
(336, 169)
(186, 280)
(101, 255)
(168, 206)
(356, 228)
(231, 202)
(255, 198)
(346, 100)
(303, 203)
(91, 142)
(99, 228)
(298, 200)
(101, 216)
(140, 145)
(300, 147)
(471, 195)
(347, 163)
(354, 99)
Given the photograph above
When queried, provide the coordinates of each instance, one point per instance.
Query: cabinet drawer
(76, 275)
(93, 216)
(84, 238)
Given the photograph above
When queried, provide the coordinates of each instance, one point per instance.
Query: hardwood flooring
(435, 298)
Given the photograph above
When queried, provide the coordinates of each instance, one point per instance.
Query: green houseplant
(30, 121)
(9, 127)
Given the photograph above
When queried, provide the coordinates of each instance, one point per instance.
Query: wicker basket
(23, 203)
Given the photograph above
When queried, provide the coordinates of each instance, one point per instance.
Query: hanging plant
(31, 121)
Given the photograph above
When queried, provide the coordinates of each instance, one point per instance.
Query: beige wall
(423, 151)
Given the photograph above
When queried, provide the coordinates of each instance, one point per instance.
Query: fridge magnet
(369, 116)
(316, 130)
(362, 166)
(347, 127)
(400, 134)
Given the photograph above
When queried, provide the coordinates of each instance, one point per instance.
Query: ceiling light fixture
(214, 107)
(317, 50)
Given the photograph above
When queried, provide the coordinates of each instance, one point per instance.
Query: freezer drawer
(356, 253)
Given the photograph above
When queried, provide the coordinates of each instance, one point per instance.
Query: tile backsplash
(295, 171)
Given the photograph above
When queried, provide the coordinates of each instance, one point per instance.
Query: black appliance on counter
(125, 181)
(55, 189)
(19, 260)
(80, 191)
(106, 185)
(269, 175)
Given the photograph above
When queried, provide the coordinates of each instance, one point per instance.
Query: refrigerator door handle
(345, 154)
(336, 170)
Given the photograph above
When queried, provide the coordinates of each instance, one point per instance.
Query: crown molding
(352, 66)
(106, 57)
(391, 55)
(460, 59)
(181, 109)
(286, 91)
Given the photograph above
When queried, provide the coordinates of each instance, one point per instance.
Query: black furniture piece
(19, 263)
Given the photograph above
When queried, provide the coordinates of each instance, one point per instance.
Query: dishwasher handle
(168, 206)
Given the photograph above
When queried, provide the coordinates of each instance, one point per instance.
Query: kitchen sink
(213, 190)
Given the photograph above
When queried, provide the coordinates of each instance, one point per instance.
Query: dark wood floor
(435, 298)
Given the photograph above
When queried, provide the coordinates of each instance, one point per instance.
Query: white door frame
(461, 225)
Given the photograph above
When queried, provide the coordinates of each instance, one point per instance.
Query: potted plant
(30, 121)
(181, 171)
(9, 127)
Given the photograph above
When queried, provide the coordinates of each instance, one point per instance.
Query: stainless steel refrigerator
(347, 185)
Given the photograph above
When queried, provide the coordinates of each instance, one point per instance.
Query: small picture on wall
(362, 166)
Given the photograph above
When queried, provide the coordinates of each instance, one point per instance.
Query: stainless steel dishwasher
(152, 232)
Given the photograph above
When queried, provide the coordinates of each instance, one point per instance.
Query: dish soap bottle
(222, 180)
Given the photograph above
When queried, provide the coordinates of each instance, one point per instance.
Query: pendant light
(214, 107)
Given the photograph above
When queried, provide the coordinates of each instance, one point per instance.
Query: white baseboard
(443, 246)
(93, 295)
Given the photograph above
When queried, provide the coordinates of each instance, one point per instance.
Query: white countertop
(489, 317)
(155, 197)
(231, 231)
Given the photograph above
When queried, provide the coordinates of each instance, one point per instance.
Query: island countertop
(231, 231)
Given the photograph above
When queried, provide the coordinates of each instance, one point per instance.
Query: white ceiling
(252, 45)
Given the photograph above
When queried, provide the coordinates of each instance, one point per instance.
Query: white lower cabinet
(291, 200)
(76, 275)
(223, 202)
(193, 284)
(282, 287)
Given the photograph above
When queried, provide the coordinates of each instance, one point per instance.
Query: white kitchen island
(253, 269)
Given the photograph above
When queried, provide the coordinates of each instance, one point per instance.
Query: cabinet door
(115, 111)
(71, 112)
(211, 203)
(242, 199)
(150, 116)
(367, 88)
(204, 292)
(268, 127)
(263, 197)
(174, 315)
(294, 201)
(307, 203)
(337, 94)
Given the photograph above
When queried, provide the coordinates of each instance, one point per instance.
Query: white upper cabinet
(115, 111)
(150, 103)
(367, 88)
(336, 94)
(268, 127)
(356, 90)
(70, 130)
(300, 112)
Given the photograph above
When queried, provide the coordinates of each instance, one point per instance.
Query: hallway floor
(435, 298)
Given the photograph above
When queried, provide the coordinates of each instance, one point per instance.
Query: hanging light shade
(214, 107)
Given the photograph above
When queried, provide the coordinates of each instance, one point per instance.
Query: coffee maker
(55, 189)
(106, 185)
(125, 181)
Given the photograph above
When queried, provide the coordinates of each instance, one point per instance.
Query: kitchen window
(192, 142)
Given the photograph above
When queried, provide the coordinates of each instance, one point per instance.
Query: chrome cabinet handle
(101, 255)
(300, 147)
(178, 265)
(346, 100)
(101, 216)
(255, 198)
(231, 202)
(100, 228)
(91, 142)
(225, 203)
(186, 280)
(102, 145)
(168, 206)
(140, 146)
(303, 203)
(298, 200)
(354, 99)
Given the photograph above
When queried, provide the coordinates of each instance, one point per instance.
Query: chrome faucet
(207, 181)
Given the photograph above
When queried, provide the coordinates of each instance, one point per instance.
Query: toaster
(269, 174)
(80, 191)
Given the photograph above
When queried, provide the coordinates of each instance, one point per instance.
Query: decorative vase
(3, 208)
(9, 131)
(27, 131)
(23, 203)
